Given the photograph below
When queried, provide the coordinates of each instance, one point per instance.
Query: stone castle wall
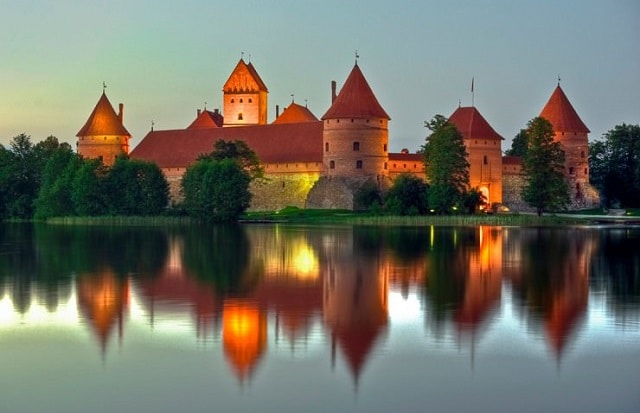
(277, 191)
(105, 147)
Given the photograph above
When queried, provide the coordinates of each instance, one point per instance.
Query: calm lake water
(276, 318)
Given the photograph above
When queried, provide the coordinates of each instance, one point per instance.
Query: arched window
(326, 146)
(356, 146)
(485, 160)
(358, 164)
(332, 164)
(240, 116)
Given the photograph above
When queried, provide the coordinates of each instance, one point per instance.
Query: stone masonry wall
(277, 191)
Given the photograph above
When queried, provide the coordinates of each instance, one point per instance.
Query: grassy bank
(323, 216)
(159, 221)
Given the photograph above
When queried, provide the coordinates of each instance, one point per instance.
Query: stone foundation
(339, 192)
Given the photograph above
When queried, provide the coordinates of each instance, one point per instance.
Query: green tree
(367, 198)
(88, 189)
(241, 152)
(216, 190)
(543, 167)
(446, 165)
(135, 187)
(20, 177)
(519, 145)
(54, 195)
(407, 196)
(473, 200)
(614, 165)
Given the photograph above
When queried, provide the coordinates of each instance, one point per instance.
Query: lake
(285, 318)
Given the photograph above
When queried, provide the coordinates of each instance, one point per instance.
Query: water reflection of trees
(615, 272)
(40, 261)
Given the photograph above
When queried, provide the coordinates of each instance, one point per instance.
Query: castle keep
(312, 163)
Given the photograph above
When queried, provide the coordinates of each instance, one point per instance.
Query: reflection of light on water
(305, 262)
(66, 313)
(404, 310)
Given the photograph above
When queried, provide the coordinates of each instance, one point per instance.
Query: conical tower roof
(295, 113)
(244, 78)
(103, 121)
(561, 113)
(472, 124)
(356, 100)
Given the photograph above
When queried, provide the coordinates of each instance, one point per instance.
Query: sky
(165, 59)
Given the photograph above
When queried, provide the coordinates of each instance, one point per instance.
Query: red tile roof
(511, 160)
(407, 157)
(103, 121)
(282, 143)
(561, 113)
(244, 78)
(296, 113)
(206, 120)
(471, 124)
(356, 100)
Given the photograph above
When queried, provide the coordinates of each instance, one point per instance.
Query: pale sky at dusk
(164, 59)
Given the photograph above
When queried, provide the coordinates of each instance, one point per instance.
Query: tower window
(582, 154)
(326, 146)
(384, 147)
(358, 164)
(571, 170)
(332, 164)
(250, 100)
(241, 100)
(485, 160)
(585, 171)
(233, 100)
(240, 116)
(385, 165)
(356, 146)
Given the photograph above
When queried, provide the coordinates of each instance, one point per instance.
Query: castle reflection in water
(250, 287)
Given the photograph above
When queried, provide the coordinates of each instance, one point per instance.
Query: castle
(322, 163)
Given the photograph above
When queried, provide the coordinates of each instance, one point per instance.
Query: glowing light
(404, 310)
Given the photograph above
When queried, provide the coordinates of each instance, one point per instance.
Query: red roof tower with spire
(245, 97)
(103, 134)
(356, 135)
(484, 151)
(572, 134)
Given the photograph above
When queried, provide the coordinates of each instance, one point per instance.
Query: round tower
(572, 134)
(355, 132)
(104, 136)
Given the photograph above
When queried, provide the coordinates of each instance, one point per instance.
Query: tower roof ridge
(356, 99)
(471, 124)
(296, 113)
(103, 120)
(244, 78)
(561, 113)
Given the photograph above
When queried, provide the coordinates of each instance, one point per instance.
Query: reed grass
(156, 221)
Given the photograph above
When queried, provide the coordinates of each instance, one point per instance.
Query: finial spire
(472, 92)
(205, 105)
(559, 80)
(292, 100)
(357, 56)
(459, 103)
(241, 55)
(249, 57)
(152, 125)
(305, 103)
(104, 86)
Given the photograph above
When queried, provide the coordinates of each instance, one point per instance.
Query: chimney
(333, 91)
(277, 111)
(121, 112)
(199, 112)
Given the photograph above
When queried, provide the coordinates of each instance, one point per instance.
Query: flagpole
(472, 93)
